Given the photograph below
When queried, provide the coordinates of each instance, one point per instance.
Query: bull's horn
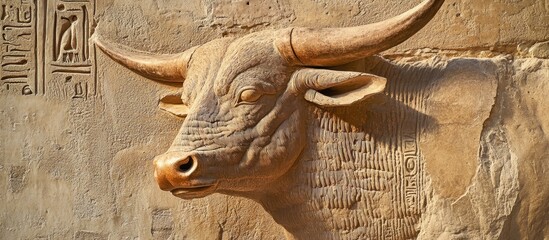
(336, 46)
(166, 67)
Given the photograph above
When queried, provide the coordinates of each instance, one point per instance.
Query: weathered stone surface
(540, 50)
(162, 224)
(77, 145)
(512, 153)
(86, 235)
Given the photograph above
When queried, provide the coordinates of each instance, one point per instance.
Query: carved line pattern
(374, 179)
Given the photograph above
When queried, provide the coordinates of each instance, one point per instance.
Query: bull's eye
(249, 96)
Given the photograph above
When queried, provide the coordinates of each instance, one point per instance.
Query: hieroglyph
(263, 120)
(45, 48)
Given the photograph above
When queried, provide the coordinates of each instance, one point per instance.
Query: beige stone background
(82, 168)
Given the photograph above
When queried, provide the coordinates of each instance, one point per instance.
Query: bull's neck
(303, 200)
(361, 174)
(291, 203)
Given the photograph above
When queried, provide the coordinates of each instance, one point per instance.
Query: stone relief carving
(45, 48)
(264, 120)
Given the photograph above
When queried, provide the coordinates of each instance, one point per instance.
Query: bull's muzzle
(172, 170)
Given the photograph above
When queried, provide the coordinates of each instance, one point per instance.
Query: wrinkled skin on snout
(245, 124)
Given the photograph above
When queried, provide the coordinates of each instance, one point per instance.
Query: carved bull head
(244, 99)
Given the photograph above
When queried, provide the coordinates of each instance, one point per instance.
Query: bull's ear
(174, 105)
(336, 88)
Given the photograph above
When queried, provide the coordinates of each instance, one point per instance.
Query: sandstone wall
(78, 138)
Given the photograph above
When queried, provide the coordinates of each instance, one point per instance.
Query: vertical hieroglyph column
(19, 47)
(70, 67)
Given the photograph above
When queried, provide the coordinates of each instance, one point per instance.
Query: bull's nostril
(186, 165)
